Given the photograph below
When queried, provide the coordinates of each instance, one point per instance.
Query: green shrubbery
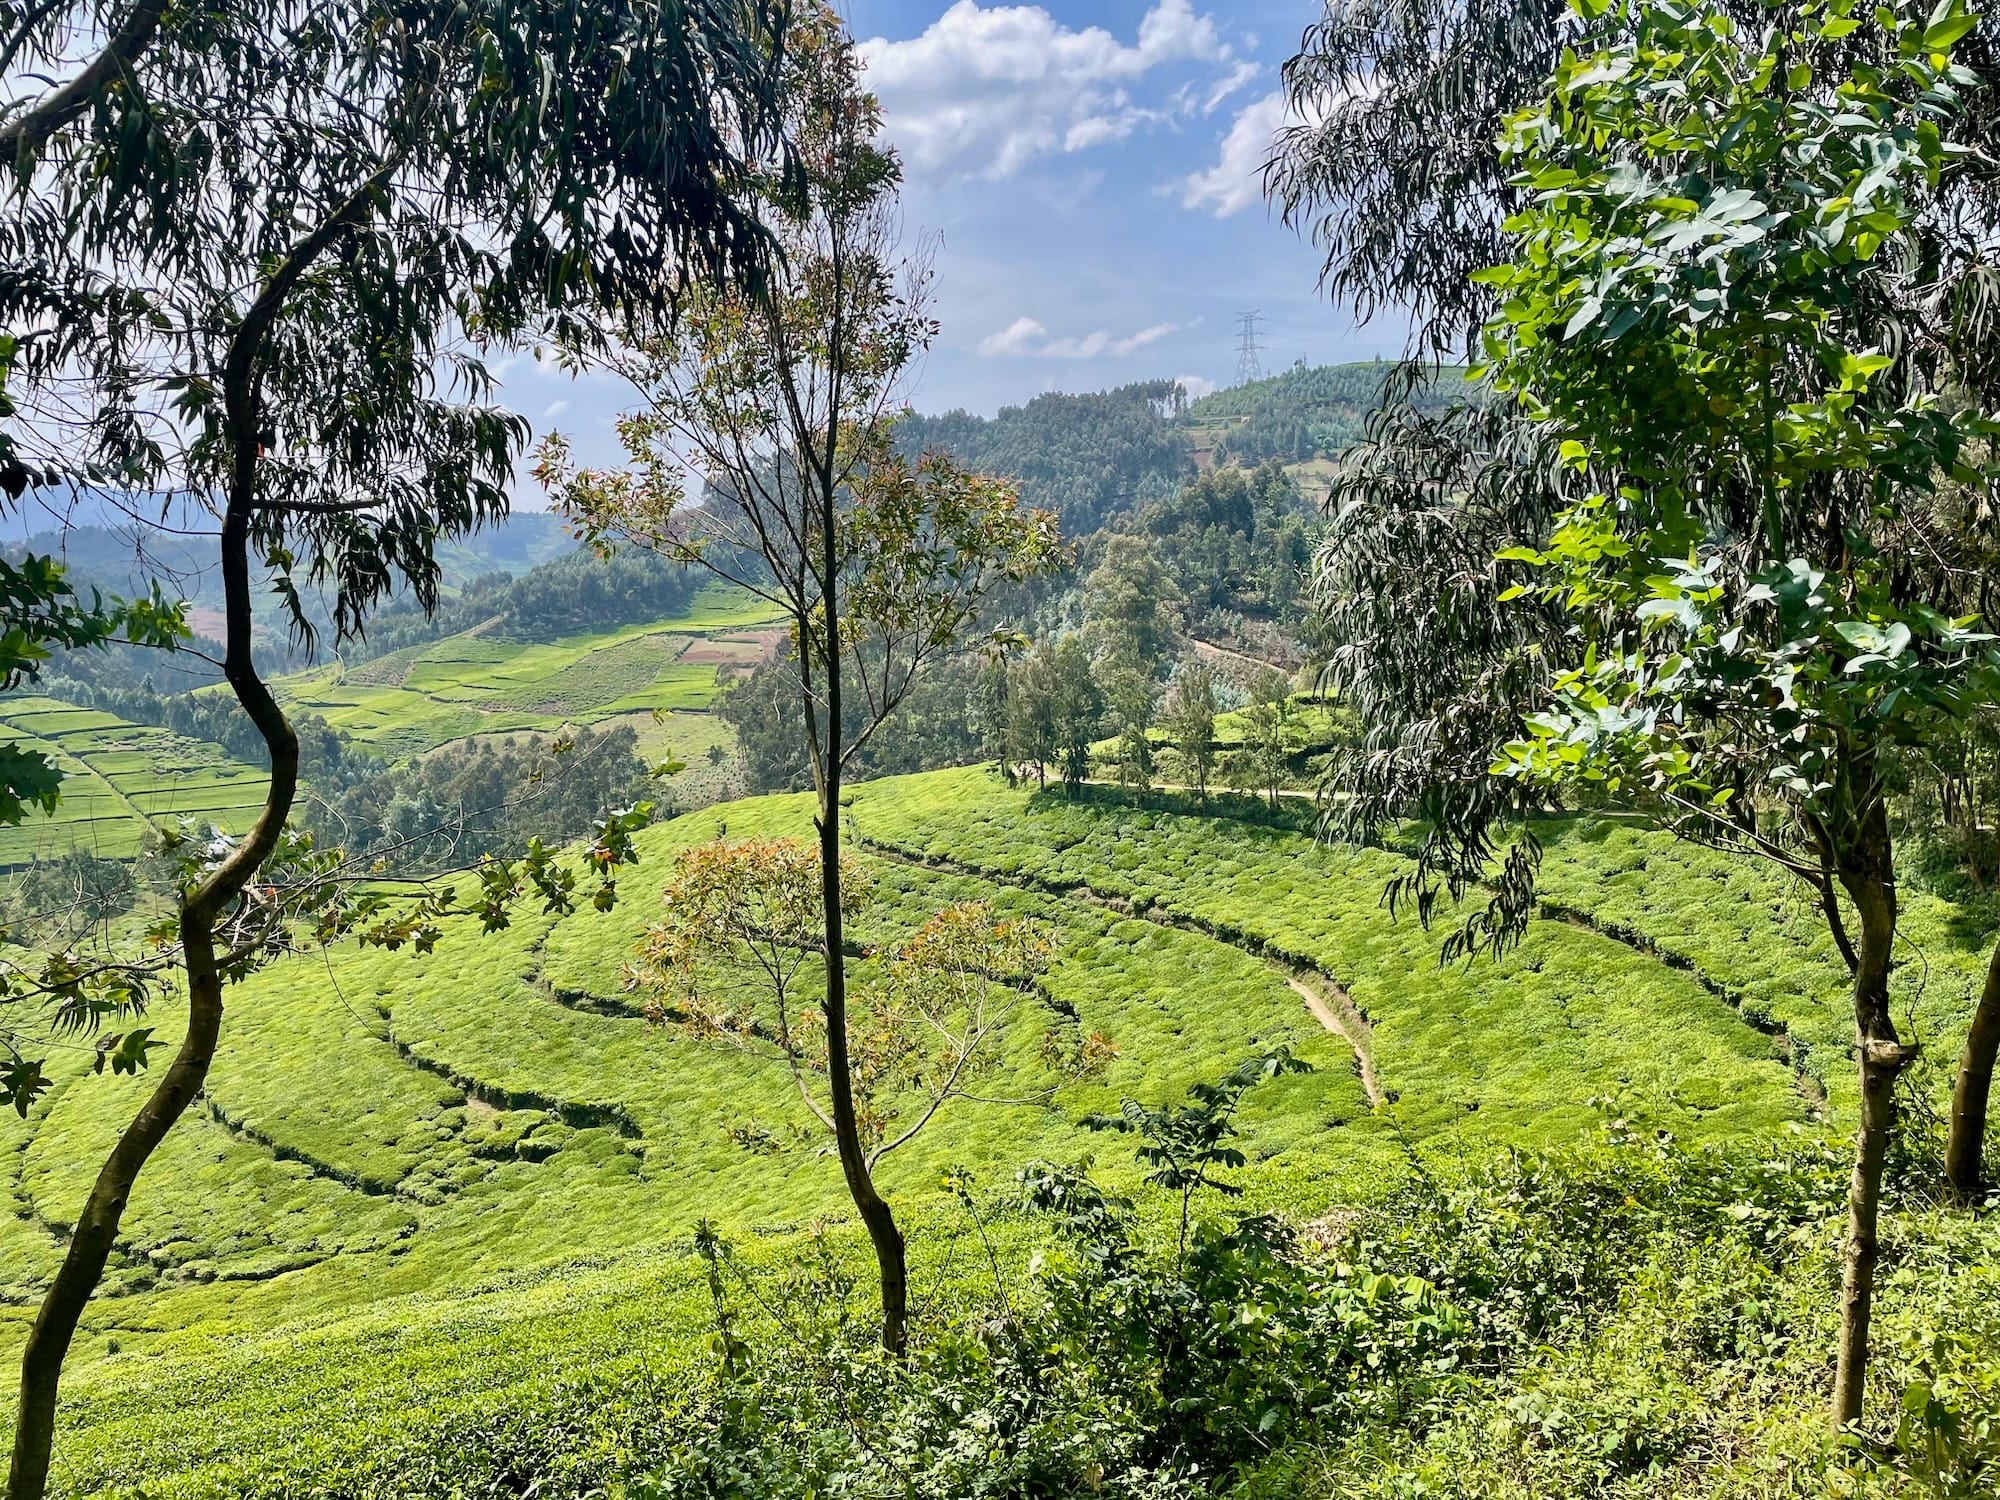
(1628, 1320)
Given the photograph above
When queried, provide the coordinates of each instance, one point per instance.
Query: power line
(1250, 352)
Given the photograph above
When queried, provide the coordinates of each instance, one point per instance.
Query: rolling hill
(120, 779)
(453, 1195)
(430, 694)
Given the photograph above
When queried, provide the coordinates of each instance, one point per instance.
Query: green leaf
(1940, 34)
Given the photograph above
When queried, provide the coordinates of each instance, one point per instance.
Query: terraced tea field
(392, 1144)
(661, 678)
(119, 779)
(414, 700)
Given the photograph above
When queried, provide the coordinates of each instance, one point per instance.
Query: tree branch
(29, 131)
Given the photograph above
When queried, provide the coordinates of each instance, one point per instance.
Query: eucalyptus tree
(1077, 707)
(782, 399)
(1189, 717)
(1394, 166)
(1391, 164)
(1759, 597)
(256, 255)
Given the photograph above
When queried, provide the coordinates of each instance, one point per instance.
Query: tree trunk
(82, 1268)
(1866, 871)
(1966, 1142)
(97, 1227)
(873, 1208)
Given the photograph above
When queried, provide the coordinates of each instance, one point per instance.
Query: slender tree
(1129, 604)
(1031, 711)
(1133, 700)
(1189, 718)
(783, 400)
(1690, 312)
(1972, 1089)
(733, 960)
(1077, 703)
(257, 257)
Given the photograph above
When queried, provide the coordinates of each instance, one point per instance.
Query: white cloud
(987, 89)
(1237, 179)
(1015, 338)
(1196, 386)
(1025, 338)
(1239, 75)
(554, 410)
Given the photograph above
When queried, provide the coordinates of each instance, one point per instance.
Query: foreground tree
(783, 401)
(259, 255)
(1393, 166)
(741, 933)
(1692, 312)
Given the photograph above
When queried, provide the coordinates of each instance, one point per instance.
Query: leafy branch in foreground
(258, 258)
(1721, 306)
(737, 956)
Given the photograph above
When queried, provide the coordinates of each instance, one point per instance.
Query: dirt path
(1326, 999)
(1242, 658)
(1337, 1012)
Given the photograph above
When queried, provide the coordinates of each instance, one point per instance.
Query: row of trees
(1721, 545)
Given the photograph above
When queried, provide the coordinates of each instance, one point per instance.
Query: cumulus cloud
(1195, 386)
(1236, 180)
(1025, 338)
(987, 89)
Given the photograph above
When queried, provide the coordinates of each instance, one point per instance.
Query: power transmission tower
(1250, 353)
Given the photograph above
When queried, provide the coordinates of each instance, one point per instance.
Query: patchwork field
(437, 1160)
(119, 778)
(414, 700)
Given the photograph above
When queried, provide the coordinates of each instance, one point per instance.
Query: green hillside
(119, 779)
(1298, 415)
(661, 678)
(420, 697)
(392, 1144)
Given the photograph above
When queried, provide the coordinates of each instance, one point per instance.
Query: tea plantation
(416, 699)
(119, 778)
(427, 1196)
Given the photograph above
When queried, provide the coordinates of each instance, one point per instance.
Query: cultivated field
(414, 700)
(661, 678)
(119, 778)
(443, 1132)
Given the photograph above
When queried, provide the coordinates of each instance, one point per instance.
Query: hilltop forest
(1417, 928)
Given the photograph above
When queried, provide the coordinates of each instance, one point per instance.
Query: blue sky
(1089, 167)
